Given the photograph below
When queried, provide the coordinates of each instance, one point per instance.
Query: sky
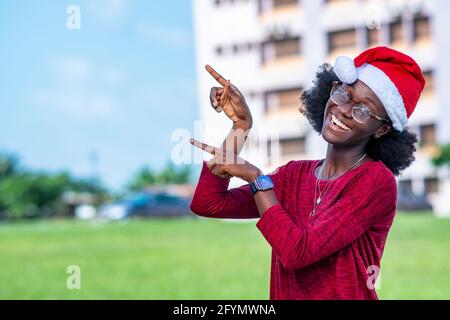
(102, 99)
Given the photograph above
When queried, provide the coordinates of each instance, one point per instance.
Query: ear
(384, 129)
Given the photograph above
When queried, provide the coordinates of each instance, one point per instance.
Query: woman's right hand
(229, 99)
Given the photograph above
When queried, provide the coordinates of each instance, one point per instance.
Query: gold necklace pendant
(328, 185)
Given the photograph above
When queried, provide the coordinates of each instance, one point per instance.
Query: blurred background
(98, 99)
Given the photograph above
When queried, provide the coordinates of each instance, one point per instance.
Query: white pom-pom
(344, 68)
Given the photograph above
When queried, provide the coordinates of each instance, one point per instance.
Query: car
(408, 201)
(146, 204)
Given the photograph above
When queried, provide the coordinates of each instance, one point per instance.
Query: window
(396, 31)
(236, 48)
(405, 186)
(427, 135)
(221, 2)
(431, 185)
(283, 99)
(421, 28)
(289, 47)
(279, 49)
(373, 37)
(288, 99)
(292, 146)
(269, 5)
(345, 39)
(429, 86)
(334, 1)
(281, 3)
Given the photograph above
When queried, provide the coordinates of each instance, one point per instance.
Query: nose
(346, 110)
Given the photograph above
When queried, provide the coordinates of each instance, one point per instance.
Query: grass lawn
(193, 259)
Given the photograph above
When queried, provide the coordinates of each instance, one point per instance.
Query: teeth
(338, 123)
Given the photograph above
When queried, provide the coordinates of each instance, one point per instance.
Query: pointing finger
(216, 75)
(203, 146)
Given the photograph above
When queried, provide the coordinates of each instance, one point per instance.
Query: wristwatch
(262, 183)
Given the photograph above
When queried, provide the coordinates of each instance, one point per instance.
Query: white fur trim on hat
(381, 85)
(387, 92)
(344, 68)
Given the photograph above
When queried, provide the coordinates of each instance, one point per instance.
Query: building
(271, 50)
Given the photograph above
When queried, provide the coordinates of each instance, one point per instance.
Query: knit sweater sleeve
(369, 198)
(212, 199)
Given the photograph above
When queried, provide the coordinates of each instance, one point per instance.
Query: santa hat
(393, 76)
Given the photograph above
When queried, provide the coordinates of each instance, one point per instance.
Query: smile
(339, 124)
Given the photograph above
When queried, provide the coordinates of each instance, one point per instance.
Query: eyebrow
(371, 100)
(366, 98)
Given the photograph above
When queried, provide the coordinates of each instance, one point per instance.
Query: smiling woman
(394, 148)
(326, 220)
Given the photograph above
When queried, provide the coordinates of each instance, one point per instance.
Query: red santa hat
(393, 76)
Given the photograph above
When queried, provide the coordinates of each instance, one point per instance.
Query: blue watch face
(265, 182)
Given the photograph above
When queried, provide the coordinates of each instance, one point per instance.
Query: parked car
(407, 201)
(146, 204)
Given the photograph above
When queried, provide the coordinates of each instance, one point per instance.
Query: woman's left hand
(226, 164)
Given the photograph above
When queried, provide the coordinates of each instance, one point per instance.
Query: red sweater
(334, 254)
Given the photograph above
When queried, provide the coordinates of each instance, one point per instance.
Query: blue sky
(117, 87)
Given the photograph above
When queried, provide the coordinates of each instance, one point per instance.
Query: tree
(443, 157)
(172, 175)
(24, 193)
(142, 178)
(146, 176)
(8, 164)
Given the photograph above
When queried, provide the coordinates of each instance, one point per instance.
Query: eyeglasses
(360, 112)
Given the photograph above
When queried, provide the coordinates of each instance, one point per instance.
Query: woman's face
(356, 133)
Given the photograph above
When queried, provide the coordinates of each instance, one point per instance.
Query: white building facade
(271, 49)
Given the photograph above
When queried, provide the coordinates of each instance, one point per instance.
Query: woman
(326, 220)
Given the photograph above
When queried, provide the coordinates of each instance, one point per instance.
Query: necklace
(328, 185)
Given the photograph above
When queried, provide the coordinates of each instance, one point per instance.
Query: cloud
(179, 90)
(102, 106)
(79, 90)
(73, 69)
(108, 11)
(75, 104)
(168, 36)
(112, 76)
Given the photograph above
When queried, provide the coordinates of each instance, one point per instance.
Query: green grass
(193, 259)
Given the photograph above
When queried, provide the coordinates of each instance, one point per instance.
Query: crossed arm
(212, 196)
(366, 201)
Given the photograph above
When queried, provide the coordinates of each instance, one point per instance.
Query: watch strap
(253, 187)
